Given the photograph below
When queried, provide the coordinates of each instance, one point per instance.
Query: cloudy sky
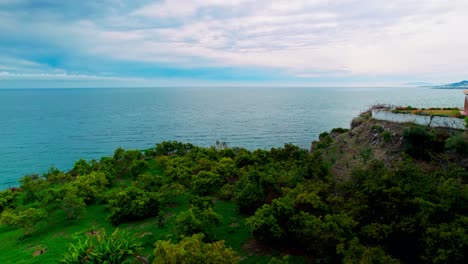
(87, 43)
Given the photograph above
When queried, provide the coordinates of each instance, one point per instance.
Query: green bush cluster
(193, 250)
(407, 212)
(131, 204)
(419, 143)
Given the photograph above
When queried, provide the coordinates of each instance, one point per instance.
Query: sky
(139, 43)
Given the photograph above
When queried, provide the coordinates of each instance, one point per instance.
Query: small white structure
(425, 120)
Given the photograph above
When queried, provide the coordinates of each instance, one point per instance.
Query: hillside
(378, 193)
(457, 85)
(381, 140)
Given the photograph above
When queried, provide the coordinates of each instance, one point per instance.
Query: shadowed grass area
(51, 240)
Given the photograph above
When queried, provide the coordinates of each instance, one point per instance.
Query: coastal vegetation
(378, 193)
(448, 111)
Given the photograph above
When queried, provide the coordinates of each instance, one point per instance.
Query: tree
(193, 250)
(72, 205)
(89, 185)
(8, 198)
(206, 182)
(196, 220)
(132, 204)
(27, 219)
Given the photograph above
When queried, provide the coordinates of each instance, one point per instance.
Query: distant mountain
(458, 85)
(419, 84)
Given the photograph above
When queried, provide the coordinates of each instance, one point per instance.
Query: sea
(40, 128)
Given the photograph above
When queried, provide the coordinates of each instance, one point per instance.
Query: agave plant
(118, 248)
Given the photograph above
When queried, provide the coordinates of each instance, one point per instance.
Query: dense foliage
(193, 250)
(117, 248)
(412, 211)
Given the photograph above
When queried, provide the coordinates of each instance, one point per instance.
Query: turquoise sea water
(44, 127)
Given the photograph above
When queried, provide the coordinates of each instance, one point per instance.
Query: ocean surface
(40, 128)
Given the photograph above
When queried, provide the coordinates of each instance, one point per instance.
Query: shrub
(118, 248)
(132, 204)
(88, 186)
(458, 144)
(27, 219)
(194, 250)
(387, 136)
(8, 199)
(81, 167)
(418, 142)
(149, 182)
(366, 154)
(167, 148)
(377, 128)
(357, 122)
(202, 203)
(206, 182)
(196, 220)
(72, 205)
(339, 130)
(31, 186)
(325, 140)
(226, 192)
(249, 193)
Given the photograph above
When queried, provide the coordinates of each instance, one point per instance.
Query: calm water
(44, 127)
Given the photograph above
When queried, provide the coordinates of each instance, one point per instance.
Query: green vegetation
(193, 250)
(119, 247)
(450, 112)
(179, 203)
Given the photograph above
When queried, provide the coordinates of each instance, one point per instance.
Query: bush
(88, 186)
(377, 128)
(249, 193)
(72, 205)
(27, 219)
(339, 130)
(196, 220)
(325, 140)
(194, 250)
(226, 192)
(387, 136)
(118, 248)
(32, 186)
(418, 142)
(457, 143)
(81, 167)
(8, 199)
(167, 148)
(357, 122)
(206, 182)
(132, 204)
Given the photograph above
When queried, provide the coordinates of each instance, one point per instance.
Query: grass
(435, 112)
(52, 238)
(55, 236)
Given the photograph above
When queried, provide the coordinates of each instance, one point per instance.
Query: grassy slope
(55, 236)
(345, 153)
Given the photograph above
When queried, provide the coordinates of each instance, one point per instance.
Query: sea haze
(40, 128)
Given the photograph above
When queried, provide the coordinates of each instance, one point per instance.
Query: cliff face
(382, 140)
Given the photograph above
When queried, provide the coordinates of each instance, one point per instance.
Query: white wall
(437, 121)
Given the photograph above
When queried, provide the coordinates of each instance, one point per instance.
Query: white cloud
(305, 38)
(177, 8)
